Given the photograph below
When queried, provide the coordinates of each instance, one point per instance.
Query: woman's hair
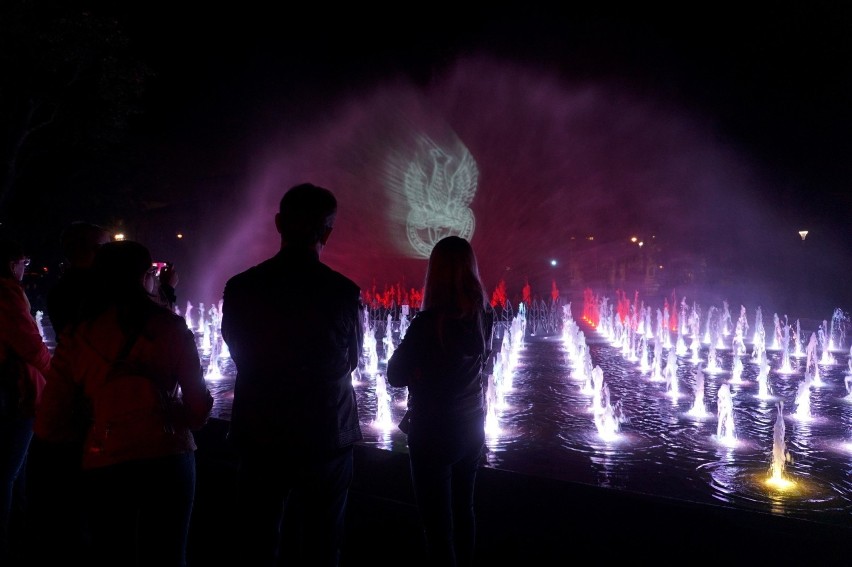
(452, 279)
(119, 270)
(10, 251)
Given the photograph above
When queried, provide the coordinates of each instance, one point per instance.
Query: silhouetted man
(293, 327)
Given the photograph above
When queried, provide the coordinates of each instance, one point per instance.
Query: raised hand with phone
(164, 280)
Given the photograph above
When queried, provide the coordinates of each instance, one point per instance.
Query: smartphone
(158, 266)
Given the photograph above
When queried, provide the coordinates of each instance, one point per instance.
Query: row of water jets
(638, 340)
(633, 333)
(206, 324)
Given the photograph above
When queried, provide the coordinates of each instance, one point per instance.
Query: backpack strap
(121, 359)
(129, 343)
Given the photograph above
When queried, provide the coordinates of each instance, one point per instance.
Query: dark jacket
(66, 299)
(293, 328)
(442, 369)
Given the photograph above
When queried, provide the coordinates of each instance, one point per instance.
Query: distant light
(590, 238)
(180, 235)
(803, 234)
(661, 266)
(119, 236)
(553, 262)
(641, 244)
(633, 239)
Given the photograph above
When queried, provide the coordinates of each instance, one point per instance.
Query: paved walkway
(523, 520)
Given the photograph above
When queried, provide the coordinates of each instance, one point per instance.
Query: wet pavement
(522, 520)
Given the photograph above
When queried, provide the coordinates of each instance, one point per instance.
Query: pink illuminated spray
(523, 160)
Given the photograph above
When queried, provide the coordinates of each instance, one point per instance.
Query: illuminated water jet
(607, 416)
(384, 416)
(725, 427)
(780, 455)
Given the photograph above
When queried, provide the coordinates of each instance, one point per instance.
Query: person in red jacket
(24, 358)
(137, 364)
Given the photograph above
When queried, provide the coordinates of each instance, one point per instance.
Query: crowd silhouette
(98, 433)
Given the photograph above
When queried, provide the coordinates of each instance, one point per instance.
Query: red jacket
(164, 353)
(20, 339)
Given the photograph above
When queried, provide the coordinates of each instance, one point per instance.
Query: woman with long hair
(24, 358)
(137, 366)
(441, 360)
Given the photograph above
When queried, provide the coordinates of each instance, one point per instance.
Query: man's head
(122, 265)
(13, 260)
(306, 216)
(80, 242)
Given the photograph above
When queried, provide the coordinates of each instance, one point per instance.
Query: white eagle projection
(439, 195)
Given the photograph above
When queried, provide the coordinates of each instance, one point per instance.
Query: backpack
(128, 410)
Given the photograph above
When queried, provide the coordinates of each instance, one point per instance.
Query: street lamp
(803, 234)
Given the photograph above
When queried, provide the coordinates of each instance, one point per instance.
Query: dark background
(717, 131)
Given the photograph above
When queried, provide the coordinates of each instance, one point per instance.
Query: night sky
(718, 131)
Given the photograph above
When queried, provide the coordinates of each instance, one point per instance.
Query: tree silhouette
(70, 87)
